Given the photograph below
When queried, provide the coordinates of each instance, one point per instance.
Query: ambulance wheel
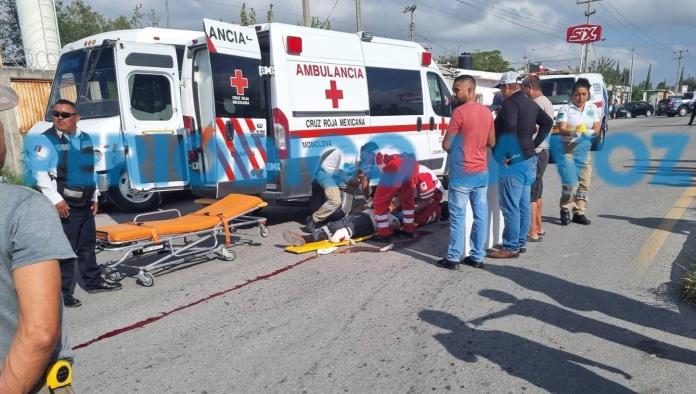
(263, 231)
(227, 253)
(146, 279)
(130, 200)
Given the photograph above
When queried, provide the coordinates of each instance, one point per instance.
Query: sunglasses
(64, 115)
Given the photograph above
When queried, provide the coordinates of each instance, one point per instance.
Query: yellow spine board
(310, 247)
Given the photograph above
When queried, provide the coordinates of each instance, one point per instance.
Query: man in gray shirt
(531, 86)
(31, 243)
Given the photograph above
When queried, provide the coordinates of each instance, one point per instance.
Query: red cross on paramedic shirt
(239, 82)
(334, 94)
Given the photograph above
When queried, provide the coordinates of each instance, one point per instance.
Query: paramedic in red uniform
(429, 193)
(398, 177)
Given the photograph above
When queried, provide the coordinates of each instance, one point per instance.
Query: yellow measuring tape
(59, 375)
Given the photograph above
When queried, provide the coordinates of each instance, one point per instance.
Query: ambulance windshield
(87, 77)
(557, 89)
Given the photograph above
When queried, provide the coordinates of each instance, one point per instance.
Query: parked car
(675, 105)
(635, 108)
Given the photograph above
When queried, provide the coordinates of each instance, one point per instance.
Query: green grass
(688, 290)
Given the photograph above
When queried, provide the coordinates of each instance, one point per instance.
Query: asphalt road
(589, 310)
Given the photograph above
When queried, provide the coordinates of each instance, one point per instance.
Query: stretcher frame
(175, 253)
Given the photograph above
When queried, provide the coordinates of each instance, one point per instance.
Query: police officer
(63, 168)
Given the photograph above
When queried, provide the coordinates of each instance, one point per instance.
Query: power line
(484, 10)
(517, 14)
(332, 10)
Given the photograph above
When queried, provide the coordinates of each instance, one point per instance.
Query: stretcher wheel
(228, 254)
(263, 231)
(146, 279)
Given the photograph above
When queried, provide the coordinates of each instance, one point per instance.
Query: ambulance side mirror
(229, 131)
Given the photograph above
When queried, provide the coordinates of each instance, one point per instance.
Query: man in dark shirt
(515, 127)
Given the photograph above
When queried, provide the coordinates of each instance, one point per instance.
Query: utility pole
(358, 16)
(305, 13)
(680, 56)
(585, 47)
(412, 9)
(166, 11)
(630, 78)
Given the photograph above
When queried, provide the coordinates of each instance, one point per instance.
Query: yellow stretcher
(180, 238)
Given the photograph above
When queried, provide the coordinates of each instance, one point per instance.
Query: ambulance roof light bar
(293, 45)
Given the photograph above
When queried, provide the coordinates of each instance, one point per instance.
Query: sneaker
(310, 224)
(104, 286)
(503, 254)
(444, 215)
(293, 238)
(565, 218)
(448, 264)
(581, 219)
(71, 302)
(471, 262)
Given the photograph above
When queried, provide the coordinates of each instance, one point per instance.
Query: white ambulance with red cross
(246, 109)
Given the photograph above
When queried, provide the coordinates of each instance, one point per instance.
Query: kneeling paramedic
(62, 164)
(334, 171)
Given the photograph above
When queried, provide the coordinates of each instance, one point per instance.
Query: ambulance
(245, 109)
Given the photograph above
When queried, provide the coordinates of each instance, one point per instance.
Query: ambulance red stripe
(240, 164)
(211, 46)
(225, 165)
(245, 143)
(311, 133)
(257, 139)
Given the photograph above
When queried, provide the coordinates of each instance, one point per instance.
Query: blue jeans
(462, 190)
(514, 195)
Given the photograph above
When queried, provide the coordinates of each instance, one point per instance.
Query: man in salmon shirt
(469, 132)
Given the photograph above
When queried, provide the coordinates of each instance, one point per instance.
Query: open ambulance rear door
(152, 123)
(233, 120)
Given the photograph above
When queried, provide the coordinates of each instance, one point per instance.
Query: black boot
(565, 218)
(581, 219)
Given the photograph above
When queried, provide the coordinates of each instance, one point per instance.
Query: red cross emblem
(334, 94)
(239, 82)
(442, 126)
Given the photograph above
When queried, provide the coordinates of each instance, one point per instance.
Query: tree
(609, 68)
(243, 17)
(10, 36)
(648, 84)
(490, 61)
(152, 18)
(319, 24)
(662, 85)
(77, 20)
(269, 13)
(252, 17)
(691, 82)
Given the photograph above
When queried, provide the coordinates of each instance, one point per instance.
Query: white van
(246, 109)
(557, 87)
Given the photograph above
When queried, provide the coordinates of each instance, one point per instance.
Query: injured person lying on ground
(356, 225)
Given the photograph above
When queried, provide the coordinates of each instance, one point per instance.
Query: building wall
(33, 88)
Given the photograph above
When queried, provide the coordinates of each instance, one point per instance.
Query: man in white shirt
(62, 164)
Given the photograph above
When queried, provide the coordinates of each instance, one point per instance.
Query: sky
(655, 29)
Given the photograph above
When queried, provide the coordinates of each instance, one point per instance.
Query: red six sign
(583, 34)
